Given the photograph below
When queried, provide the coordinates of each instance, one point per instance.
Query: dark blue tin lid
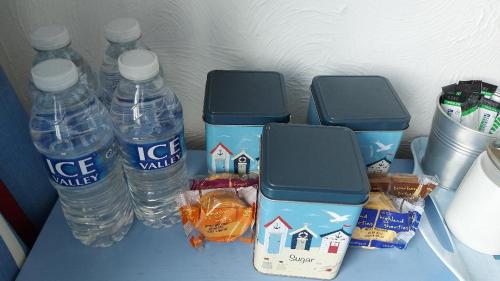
(362, 103)
(235, 97)
(312, 164)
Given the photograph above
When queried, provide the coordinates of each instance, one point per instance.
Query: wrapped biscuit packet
(223, 180)
(216, 213)
(392, 214)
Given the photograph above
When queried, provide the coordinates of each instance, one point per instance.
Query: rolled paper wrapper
(469, 110)
(470, 87)
(496, 125)
(452, 105)
(450, 89)
(488, 111)
(487, 89)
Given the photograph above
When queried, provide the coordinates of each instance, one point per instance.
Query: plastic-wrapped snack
(224, 180)
(392, 214)
(411, 187)
(218, 215)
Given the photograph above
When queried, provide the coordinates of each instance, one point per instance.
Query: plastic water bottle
(74, 133)
(53, 41)
(148, 122)
(123, 34)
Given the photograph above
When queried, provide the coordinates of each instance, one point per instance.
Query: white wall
(419, 45)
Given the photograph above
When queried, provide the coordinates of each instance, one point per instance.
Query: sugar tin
(313, 184)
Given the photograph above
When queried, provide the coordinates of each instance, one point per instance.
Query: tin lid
(362, 103)
(245, 98)
(312, 164)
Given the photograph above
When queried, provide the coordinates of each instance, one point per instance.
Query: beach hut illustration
(335, 242)
(241, 162)
(220, 158)
(380, 166)
(302, 238)
(275, 235)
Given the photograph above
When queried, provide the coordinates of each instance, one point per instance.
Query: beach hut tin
(368, 105)
(313, 184)
(237, 105)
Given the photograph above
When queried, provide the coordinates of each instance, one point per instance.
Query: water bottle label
(81, 171)
(157, 155)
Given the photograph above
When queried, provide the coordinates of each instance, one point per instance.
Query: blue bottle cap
(362, 103)
(245, 98)
(312, 164)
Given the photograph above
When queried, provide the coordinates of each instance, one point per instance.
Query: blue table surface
(148, 254)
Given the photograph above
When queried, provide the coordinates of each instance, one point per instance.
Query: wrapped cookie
(392, 214)
(224, 180)
(218, 215)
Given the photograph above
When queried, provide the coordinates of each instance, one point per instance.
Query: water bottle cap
(54, 75)
(138, 65)
(122, 30)
(50, 37)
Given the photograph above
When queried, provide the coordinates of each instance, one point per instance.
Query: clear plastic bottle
(74, 133)
(54, 42)
(148, 122)
(122, 34)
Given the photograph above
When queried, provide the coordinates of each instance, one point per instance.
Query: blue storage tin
(237, 105)
(368, 105)
(313, 185)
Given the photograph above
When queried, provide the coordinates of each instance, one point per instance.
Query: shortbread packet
(392, 214)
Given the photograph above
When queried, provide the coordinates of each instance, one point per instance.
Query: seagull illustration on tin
(382, 147)
(336, 217)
